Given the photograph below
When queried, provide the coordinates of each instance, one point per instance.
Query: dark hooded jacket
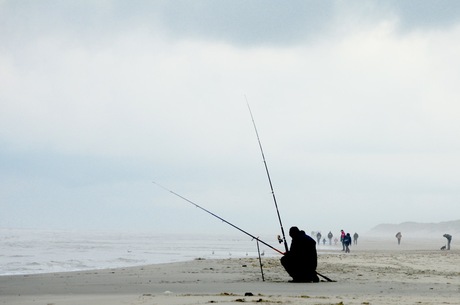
(303, 250)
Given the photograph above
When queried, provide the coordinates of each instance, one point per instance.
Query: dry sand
(373, 273)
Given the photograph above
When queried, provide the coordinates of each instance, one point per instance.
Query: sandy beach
(373, 273)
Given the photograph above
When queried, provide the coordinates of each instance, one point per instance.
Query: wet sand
(377, 272)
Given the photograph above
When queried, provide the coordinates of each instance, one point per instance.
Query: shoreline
(84, 260)
(365, 276)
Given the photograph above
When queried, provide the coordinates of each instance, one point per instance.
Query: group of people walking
(345, 238)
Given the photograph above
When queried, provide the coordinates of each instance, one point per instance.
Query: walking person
(347, 242)
(355, 238)
(342, 236)
(330, 237)
(318, 237)
(399, 236)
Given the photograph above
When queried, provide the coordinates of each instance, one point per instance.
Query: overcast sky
(356, 104)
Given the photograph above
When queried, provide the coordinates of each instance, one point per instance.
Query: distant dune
(417, 229)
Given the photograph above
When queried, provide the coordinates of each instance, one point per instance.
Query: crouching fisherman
(301, 260)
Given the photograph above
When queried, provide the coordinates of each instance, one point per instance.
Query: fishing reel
(280, 240)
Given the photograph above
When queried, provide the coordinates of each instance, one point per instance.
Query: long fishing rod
(229, 223)
(218, 217)
(268, 175)
(271, 187)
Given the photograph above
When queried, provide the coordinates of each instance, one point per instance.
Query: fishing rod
(218, 217)
(229, 223)
(271, 187)
(268, 175)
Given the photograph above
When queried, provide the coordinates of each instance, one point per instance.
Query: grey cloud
(249, 22)
(286, 23)
(426, 13)
(238, 22)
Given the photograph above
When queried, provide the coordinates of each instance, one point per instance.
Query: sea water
(42, 251)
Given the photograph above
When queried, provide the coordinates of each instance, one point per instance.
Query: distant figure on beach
(347, 242)
(342, 236)
(330, 237)
(449, 239)
(324, 241)
(318, 237)
(355, 238)
(398, 236)
(301, 260)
